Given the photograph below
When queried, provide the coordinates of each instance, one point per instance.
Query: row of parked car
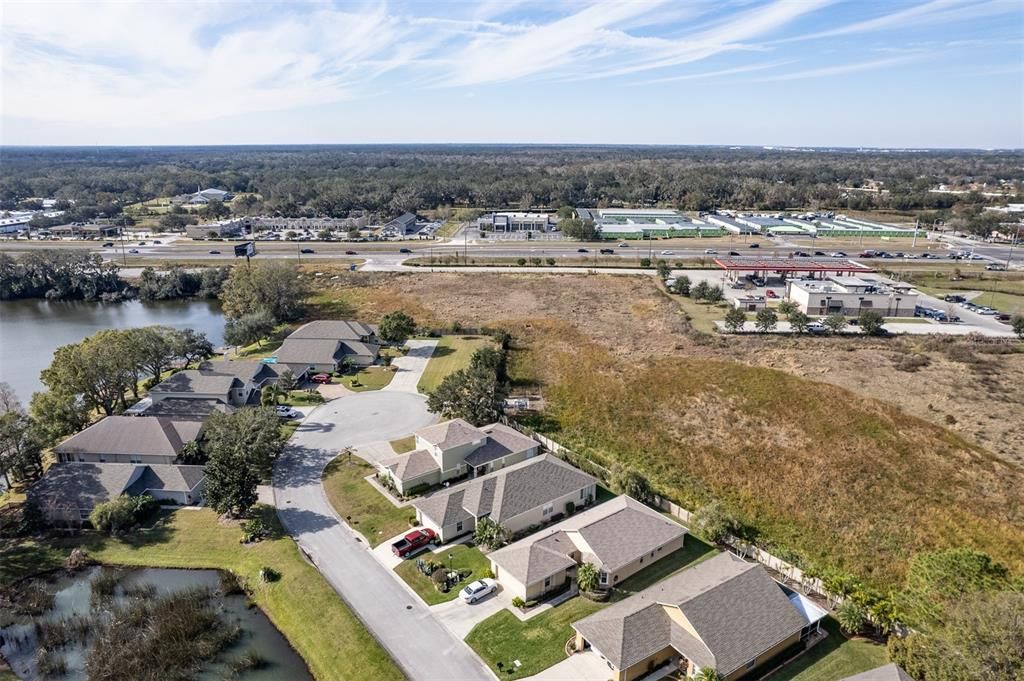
(933, 313)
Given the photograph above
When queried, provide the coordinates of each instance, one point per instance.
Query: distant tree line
(340, 181)
(60, 275)
(178, 282)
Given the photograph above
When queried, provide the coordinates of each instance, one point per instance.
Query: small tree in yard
(699, 291)
(787, 307)
(851, 616)
(663, 269)
(708, 674)
(632, 483)
(645, 262)
(715, 521)
(735, 319)
(835, 322)
(799, 321)
(766, 320)
(714, 294)
(587, 577)
(871, 322)
(396, 327)
(286, 381)
(490, 534)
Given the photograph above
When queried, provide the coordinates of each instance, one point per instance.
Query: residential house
(889, 672)
(129, 439)
(322, 346)
(528, 493)
(619, 537)
(69, 491)
(233, 384)
(455, 448)
(723, 613)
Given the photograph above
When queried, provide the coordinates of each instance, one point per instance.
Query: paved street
(423, 648)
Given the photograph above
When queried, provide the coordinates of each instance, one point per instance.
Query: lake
(31, 330)
(74, 597)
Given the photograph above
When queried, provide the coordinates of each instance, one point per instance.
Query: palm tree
(586, 577)
(708, 674)
(851, 617)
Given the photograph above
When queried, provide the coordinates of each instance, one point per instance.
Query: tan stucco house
(322, 346)
(723, 613)
(129, 439)
(619, 537)
(454, 449)
(530, 492)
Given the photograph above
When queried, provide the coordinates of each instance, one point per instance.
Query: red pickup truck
(412, 542)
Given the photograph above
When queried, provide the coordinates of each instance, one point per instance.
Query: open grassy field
(337, 647)
(463, 557)
(857, 468)
(451, 354)
(370, 378)
(362, 506)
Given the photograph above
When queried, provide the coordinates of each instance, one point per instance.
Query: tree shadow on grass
(439, 351)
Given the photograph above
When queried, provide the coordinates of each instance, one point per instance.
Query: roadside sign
(247, 249)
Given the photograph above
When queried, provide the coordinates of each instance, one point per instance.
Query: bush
(715, 521)
(518, 602)
(254, 530)
(645, 262)
(570, 508)
(122, 513)
(269, 574)
(521, 261)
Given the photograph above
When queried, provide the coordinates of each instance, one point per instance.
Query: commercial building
(516, 222)
(218, 229)
(723, 614)
(204, 196)
(850, 296)
(731, 224)
(619, 537)
(737, 266)
(646, 223)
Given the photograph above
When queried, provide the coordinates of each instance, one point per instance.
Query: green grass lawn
(260, 350)
(834, 658)
(370, 378)
(303, 398)
(463, 557)
(404, 444)
(359, 504)
(537, 643)
(451, 354)
(338, 646)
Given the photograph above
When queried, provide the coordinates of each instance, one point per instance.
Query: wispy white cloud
(749, 68)
(841, 69)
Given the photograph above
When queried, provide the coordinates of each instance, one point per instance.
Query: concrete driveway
(411, 366)
(422, 647)
(585, 666)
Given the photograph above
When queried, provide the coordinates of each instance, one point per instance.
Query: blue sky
(892, 73)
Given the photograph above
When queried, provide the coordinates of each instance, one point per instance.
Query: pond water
(31, 330)
(72, 596)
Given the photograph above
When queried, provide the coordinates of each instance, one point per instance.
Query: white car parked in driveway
(474, 591)
(286, 412)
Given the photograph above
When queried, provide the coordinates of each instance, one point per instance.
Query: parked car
(211, 252)
(412, 542)
(954, 299)
(993, 267)
(819, 253)
(350, 253)
(321, 378)
(405, 250)
(1002, 316)
(308, 250)
(286, 412)
(771, 294)
(474, 591)
(668, 252)
(817, 328)
(838, 254)
(710, 251)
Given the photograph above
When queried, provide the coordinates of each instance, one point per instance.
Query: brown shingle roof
(195, 381)
(334, 330)
(83, 485)
(501, 441)
(451, 434)
(412, 465)
(889, 672)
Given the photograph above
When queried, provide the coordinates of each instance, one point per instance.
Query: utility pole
(124, 227)
(917, 224)
(1013, 242)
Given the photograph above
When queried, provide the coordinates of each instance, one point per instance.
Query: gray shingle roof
(451, 434)
(195, 381)
(614, 534)
(308, 351)
(245, 370)
(736, 608)
(326, 329)
(506, 493)
(185, 409)
(889, 672)
(155, 436)
(412, 465)
(83, 485)
(501, 441)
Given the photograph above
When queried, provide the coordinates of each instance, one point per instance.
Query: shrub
(254, 530)
(587, 577)
(913, 362)
(715, 521)
(551, 262)
(122, 513)
(521, 261)
(570, 508)
(851, 617)
(269, 574)
(518, 602)
(632, 483)
(490, 534)
(645, 262)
